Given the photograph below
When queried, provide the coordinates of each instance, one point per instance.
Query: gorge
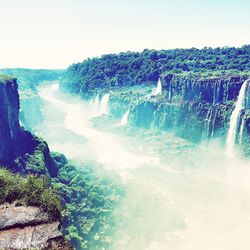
(172, 186)
(154, 153)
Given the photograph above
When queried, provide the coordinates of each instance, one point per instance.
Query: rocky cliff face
(208, 103)
(192, 107)
(20, 150)
(196, 88)
(9, 113)
(29, 228)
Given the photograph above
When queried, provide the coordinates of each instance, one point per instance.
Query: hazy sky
(56, 33)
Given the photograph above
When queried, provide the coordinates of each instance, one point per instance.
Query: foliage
(31, 191)
(4, 79)
(89, 201)
(132, 68)
(208, 74)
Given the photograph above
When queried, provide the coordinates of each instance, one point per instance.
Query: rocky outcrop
(29, 228)
(20, 216)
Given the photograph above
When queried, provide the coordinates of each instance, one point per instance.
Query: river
(179, 196)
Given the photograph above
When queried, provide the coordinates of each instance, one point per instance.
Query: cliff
(20, 150)
(25, 227)
(203, 89)
(37, 201)
(28, 81)
(9, 122)
(206, 103)
(195, 106)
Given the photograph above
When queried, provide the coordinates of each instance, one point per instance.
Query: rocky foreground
(28, 228)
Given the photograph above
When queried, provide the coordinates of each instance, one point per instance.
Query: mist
(178, 195)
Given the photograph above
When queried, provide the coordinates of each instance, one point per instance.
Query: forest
(132, 68)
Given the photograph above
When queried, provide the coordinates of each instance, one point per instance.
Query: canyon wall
(193, 107)
(206, 103)
(9, 113)
(20, 150)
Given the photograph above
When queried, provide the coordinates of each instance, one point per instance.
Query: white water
(241, 131)
(158, 89)
(97, 107)
(101, 147)
(177, 197)
(124, 120)
(207, 124)
(104, 105)
(234, 120)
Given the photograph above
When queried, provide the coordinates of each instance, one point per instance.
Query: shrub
(31, 191)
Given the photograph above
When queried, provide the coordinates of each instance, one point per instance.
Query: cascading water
(234, 120)
(207, 124)
(124, 120)
(214, 122)
(241, 131)
(176, 196)
(158, 89)
(104, 105)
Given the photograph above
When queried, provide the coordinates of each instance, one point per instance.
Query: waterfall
(241, 130)
(207, 124)
(104, 105)
(124, 120)
(170, 91)
(214, 120)
(234, 120)
(158, 89)
(96, 103)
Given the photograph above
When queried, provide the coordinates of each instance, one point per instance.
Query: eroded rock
(29, 228)
(29, 236)
(19, 216)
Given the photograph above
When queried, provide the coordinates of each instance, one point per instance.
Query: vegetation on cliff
(4, 79)
(85, 200)
(89, 201)
(30, 191)
(132, 68)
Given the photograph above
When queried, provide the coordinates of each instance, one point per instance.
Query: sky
(57, 33)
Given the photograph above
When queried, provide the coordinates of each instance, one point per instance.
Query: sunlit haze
(54, 34)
